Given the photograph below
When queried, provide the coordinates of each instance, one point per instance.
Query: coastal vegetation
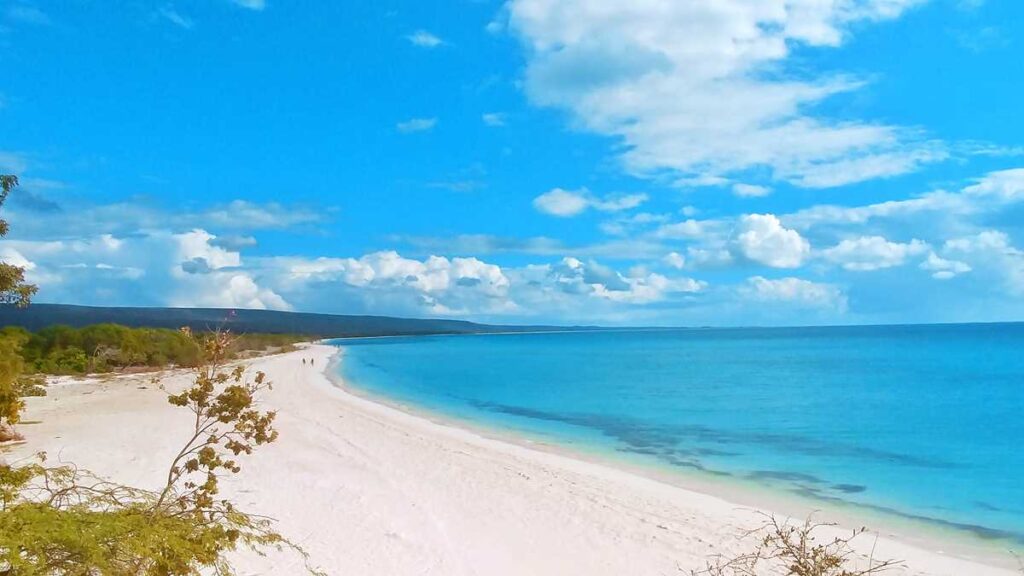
(101, 348)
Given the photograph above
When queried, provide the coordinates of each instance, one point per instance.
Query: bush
(786, 549)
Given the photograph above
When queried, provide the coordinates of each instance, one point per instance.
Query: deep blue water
(923, 421)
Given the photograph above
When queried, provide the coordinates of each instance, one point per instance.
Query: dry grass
(9, 434)
(786, 549)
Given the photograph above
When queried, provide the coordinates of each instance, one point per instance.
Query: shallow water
(921, 421)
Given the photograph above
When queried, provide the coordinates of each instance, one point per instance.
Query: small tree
(63, 521)
(13, 290)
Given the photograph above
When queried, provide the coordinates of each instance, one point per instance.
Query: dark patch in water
(663, 442)
(637, 434)
(784, 476)
(987, 506)
(850, 488)
(641, 451)
(714, 452)
(983, 532)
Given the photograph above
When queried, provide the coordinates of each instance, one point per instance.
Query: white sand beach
(370, 489)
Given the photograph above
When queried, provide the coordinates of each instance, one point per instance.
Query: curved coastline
(968, 542)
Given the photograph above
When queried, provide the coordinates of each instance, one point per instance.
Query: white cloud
(494, 119)
(256, 5)
(424, 39)
(197, 244)
(943, 269)
(796, 291)
(675, 260)
(1004, 186)
(153, 269)
(436, 285)
(236, 290)
(868, 253)
(763, 239)
(699, 89)
(566, 203)
(559, 202)
(750, 190)
(686, 229)
(10, 255)
(575, 277)
(993, 191)
(994, 252)
(708, 257)
(416, 125)
(249, 215)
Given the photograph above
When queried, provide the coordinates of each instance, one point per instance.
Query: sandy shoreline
(370, 489)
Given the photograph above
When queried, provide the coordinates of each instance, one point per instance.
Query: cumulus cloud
(231, 291)
(763, 239)
(868, 253)
(416, 125)
(687, 85)
(595, 280)
(10, 255)
(197, 244)
(153, 269)
(567, 203)
(435, 285)
(675, 260)
(794, 291)
(943, 269)
(993, 251)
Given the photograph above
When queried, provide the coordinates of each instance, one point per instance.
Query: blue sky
(656, 162)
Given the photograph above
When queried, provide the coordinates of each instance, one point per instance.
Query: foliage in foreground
(785, 549)
(64, 521)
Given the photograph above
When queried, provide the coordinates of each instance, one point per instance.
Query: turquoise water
(921, 421)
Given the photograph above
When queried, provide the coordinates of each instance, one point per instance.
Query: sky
(652, 162)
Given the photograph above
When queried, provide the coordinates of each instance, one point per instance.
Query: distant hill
(39, 316)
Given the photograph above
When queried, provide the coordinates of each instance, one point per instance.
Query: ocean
(922, 422)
